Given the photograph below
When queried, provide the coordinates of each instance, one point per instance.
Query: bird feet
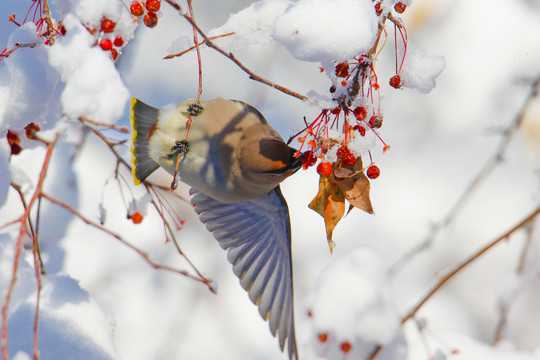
(194, 109)
(180, 146)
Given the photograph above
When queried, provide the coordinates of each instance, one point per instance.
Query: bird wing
(257, 236)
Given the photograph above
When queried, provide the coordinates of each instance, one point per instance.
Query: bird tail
(143, 119)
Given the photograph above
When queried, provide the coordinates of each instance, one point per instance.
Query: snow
(419, 70)
(308, 29)
(93, 87)
(32, 85)
(353, 300)
(103, 301)
(252, 25)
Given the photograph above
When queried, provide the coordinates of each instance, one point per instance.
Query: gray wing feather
(257, 237)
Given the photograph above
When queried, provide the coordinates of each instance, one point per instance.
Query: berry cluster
(353, 86)
(109, 40)
(138, 9)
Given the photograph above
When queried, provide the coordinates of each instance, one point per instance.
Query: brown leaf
(330, 204)
(354, 184)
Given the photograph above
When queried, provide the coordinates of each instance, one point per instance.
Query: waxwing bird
(234, 161)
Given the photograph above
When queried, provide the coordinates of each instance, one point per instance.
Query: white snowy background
(100, 300)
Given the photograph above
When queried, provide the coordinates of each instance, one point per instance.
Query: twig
(19, 244)
(467, 262)
(486, 170)
(123, 129)
(194, 46)
(7, 53)
(231, 56)
(174, 183)
(147, 186)
(143, 254)
(504, 307)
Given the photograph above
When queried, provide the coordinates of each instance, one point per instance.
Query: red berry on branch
(400, 7)
(107, 25)
(12, 137)
(349, 159)
(118, 41)
(31, 130)
(136, 9)
(153, 5)
(309, 160)
(323, 337)
(373, 172)
(343, 152)
(114, 54)
(150, 19)
(346, 346)
(375, 122)
(106, 44)
(378, 9)
(360, 129)
(360, 112)
(395, 81)
(324, 169)
(336, 110)
(137, 218)
(342, 69)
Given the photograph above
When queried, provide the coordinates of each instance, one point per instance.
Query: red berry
(373, 172)
(360, 129)
(324, 169)
(323, 337)
(349, 159)
(150, 19)
(12, 137)
(336, 110)
(395, 81)
(15, 149)
(342, 69)
(360, 112)
(400, 7)
(118, 41)
(375, 122)
(346, 346)
(136, 9)
(137, 218)
(114, 54)
(153, 5)
(31, 130)
(343, 152)
(309, 160)
(62, 30)
(106, 44)
(107, 25)
(378, 9)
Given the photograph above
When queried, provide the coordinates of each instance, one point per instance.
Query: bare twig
(19, 244)
(231, 56)
(194, 46)
(504, 306)
(123, 129)
(7, 53)
(111, 147)
(143, 254)
(467, 262)
(486, 170)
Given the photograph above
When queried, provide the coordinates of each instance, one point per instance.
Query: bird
(233, 161)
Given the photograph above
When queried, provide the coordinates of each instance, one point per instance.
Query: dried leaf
(354, 184)
(330, 204)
